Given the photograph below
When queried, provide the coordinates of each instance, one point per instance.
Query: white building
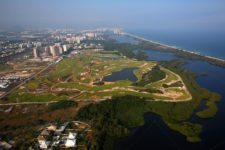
(60, 50)
(71, 140)
(4, 85)
(36, 53)
(77, 39)
(29, 45)
(64, 48)
(42, 142)
(37, 44)
(52, 50)
(47, 51)
(90, 35)
(55, 51)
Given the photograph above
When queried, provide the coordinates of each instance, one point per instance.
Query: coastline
(178, 51)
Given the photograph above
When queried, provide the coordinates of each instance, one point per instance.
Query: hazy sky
(128, 14)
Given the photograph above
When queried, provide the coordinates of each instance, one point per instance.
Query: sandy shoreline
(173, 47)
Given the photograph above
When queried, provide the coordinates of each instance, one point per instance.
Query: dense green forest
(154, 75)
(125, 49)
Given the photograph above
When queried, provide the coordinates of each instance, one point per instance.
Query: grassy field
(83, 73)
(4, 68)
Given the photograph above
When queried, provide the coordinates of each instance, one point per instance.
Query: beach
(174, 49)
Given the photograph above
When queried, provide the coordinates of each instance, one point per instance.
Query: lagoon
(213, 134)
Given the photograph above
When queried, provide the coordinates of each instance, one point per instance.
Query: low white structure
(51, 128)
(42, 142)
(71, 140)
(5, 145)
(4, 85)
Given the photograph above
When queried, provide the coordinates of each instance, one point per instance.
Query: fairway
(80, 77)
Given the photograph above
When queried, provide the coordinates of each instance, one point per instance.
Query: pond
(124, 74)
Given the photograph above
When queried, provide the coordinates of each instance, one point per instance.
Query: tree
(141, 55)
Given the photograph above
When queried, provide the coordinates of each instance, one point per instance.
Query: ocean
(210, 43)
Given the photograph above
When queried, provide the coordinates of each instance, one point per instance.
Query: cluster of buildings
(10, 52)
(53, 51)
(9, 49)
(7, 79)
(4, 84)
(65, 44)
(66, 136)
(50, 43)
